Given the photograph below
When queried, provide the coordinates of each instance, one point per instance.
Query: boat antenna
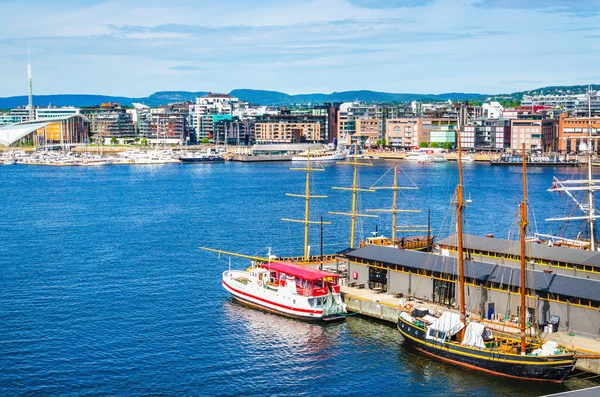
(306, 196)
(354, 189)
(523, 223)
(460, 205)
(394, 210)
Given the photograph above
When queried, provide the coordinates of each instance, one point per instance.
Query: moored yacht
(419, 157)
(325, 155)
(288, 289)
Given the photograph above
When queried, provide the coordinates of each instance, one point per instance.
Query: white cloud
(294, 46)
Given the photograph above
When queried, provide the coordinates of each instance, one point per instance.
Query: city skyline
(135, 48)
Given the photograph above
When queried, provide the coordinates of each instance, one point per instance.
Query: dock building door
(443, 292)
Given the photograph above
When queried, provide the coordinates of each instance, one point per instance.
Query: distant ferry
(288, 289)
(534, 161)
(205, 157)
(419, 157)
(326, 155)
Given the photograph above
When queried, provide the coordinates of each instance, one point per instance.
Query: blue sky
(134, 48)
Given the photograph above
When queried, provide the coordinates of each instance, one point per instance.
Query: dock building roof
(480, 272)
(533, 250)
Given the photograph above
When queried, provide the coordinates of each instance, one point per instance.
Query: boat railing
(312, 291)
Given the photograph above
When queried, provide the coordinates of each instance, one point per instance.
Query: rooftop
(482, 272)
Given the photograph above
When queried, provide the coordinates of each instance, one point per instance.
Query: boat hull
(550, 368)
(191, 160)
(537, 164)
(333, 157)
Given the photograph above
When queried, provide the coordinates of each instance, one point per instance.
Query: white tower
(30, 106)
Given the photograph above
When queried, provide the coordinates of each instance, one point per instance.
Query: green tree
(204, 140)
(446, 145)
(423, 144)
(435, 145)
(113, 141)
(144, 142)
(91, 139)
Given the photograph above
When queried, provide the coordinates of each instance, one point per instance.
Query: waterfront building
(287, 132)
(574, 104)
(214, 104)
(234, 132)
(113, 124)
(291, 126)
(403, 133)
(573, 131)
(440, 130)
(536, 134)
(53, 112)
(58, 131)
(492, 289)
(8, 118)
(487, 134)
(492, 110)
(161, 125)
(348, 124)
(367, 132)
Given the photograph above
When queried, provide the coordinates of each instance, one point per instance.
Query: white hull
(283, 299)
(420, 158)
(322, 158)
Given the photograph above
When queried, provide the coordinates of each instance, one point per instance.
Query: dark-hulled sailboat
(452, 338)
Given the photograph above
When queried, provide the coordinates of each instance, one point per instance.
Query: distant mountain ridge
(264, 97)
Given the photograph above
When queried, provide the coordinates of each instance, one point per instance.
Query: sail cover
(473, 335)
(448, 322)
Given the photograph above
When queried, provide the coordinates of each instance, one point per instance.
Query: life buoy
(259, 283)
(408, 306)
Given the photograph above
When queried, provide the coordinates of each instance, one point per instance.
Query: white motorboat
(419, 157)
(288, 289)
(320, 155)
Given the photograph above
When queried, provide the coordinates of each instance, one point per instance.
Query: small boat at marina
(288, 289)
(419, 157)
(322, 156)
(534, 161)
(201, 157)
(440, 159)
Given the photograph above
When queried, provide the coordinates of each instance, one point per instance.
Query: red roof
(303, 272)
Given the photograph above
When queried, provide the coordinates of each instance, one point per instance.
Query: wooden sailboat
(451, 338)
(410, 242)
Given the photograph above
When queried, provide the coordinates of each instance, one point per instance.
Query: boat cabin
(306, 280)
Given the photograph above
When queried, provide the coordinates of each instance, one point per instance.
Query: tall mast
(523, 223)
(354, 189)
(459, 210)
(30, 81)
(589, 169)
(588, 185)
(394, 210)
(306, 196)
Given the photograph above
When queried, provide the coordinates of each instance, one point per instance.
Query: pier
(384, 307)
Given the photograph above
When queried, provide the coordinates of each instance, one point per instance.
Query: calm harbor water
(103, 289)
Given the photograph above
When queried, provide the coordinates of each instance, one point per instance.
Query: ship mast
(306, 196)
(589, 169)
(523, 225)
(354, 189)
(460, 205)
(394, 210)
(590, 185)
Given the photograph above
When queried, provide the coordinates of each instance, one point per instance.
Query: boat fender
(408, 306)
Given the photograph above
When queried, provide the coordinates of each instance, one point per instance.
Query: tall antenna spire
(30, 106)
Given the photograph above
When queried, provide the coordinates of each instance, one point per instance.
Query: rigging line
(382, 176)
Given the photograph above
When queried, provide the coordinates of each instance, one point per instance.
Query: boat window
(318, 283)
